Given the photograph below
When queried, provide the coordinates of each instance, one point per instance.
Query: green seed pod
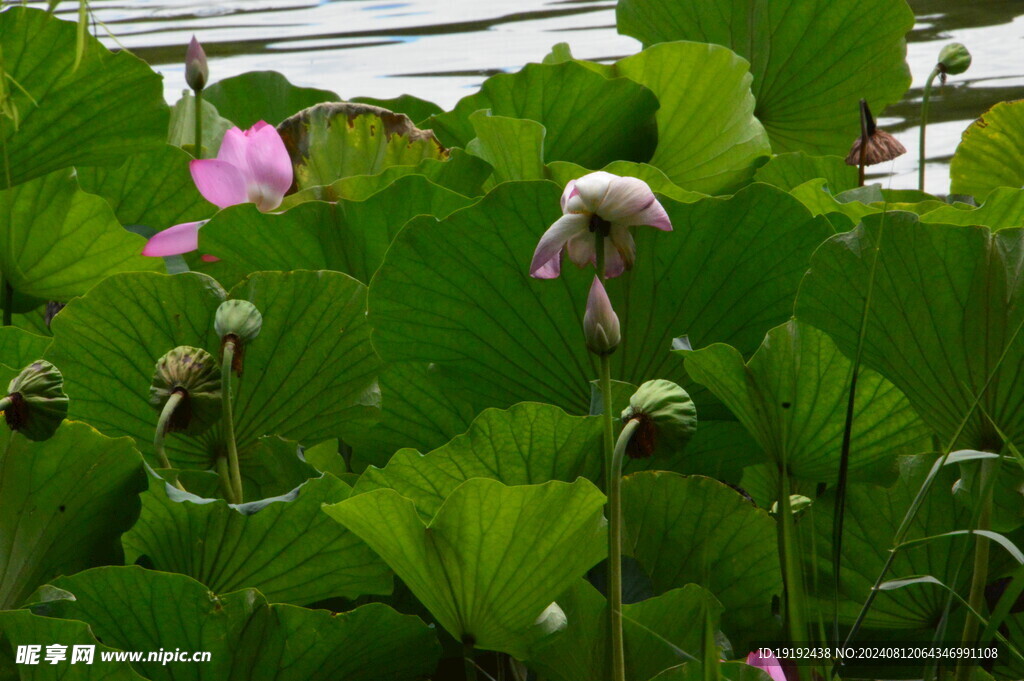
(237, 321)
(954, 59)
(193, 373)
(36, 401)
(667, 417)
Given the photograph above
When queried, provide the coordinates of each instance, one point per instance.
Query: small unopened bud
(35, 402)
(667, 419)
(238, 322)
(954, 59)
(600, 323)
(197, 73)
(193, 373)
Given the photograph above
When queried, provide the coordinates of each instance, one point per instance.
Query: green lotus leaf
(941, 321)
(991, 152)
(589, 119)
(334, 140)
(708, 138)
(64, 503)
(792, 397)
(19, 347)
(652, 630)
(524, 445)
(310, 371)
(1003, 208)
(61, 241)
(253, 545)
(153, 189)
(873, 514)
(181, 131)
(493, 558)
(346, 236)
(514, 147)
(812, 60)
(788, 171)
(697, 530)
(454, 300)
(111, 105)
(134, 609)
(22, 628)
(418, 110)
(265, 96)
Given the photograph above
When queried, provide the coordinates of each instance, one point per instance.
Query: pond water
(441, 50)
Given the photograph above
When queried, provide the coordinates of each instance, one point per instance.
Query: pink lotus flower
(598, 202)
(251, 167)
(769, 663)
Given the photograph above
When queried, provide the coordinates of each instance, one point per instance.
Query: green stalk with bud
(954, 59)
(197, 74)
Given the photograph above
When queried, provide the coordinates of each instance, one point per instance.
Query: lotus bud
(954, 59)
(193, 374)
(667, 419)
(197, 72)
(600, 323)
(237, 322)
(35, 403)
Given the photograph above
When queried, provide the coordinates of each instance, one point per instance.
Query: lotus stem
(924, 124)
(976, 598)
(865, 135)
(199, 123)
(229, 420)
(221, 464)
(161, 431)
(8, 303)
(792, 577)
(467, 656)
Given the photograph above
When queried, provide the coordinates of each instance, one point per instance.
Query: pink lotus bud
(600, 323)
(197, 73)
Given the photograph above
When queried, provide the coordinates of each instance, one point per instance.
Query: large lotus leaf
(22, 628)
(181, 130)
(265, 96)
(456, 299)
(19, 347)
(652, 631)
(347, 236)
(309, 372)
(1003, 208)
(812, 60)
(514, 147)
(873, 514)
(991, 152)
(418, 110)
(788, 171)
(135, 609)
(64, 503)
(524, 445)
(792, 397)
(254, 545)
(708, 138)
(695, 529)
(60, 241)
(563, 171)
(338, 139)
(153, 189)
(589, 119)
(492, 559)
(945, 307)
(109, 107)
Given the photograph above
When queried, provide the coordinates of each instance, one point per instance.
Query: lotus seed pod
(36, 401)
(667, 419)
(194, 374)
(954, 59)
(238, 318)
(197, 72)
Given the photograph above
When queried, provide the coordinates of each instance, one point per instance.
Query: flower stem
(221, 464)
(229, 420)
(864, 137)
(976, 597)
(8, 302)
(924, 124)
(792, 577)
(161, 431)
(199, 123)
(467, 657)
(5, 402)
